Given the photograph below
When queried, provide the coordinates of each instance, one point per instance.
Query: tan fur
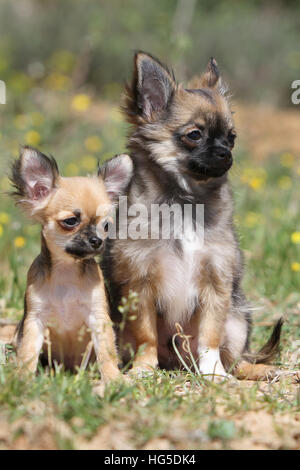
(144, 331)
(141, 331)
(254, 371)
(65, 294)
(70, 326)
(196, 285)
(215, 295)
(74, 193)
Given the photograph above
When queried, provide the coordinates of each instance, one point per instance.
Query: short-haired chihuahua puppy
(65, 287)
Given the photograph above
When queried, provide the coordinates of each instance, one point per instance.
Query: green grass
(167, 410)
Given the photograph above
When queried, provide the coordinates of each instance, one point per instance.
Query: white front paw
(211, 366)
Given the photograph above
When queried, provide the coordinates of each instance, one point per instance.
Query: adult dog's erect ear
(151, 90)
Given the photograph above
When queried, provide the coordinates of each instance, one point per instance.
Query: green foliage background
(256, 42)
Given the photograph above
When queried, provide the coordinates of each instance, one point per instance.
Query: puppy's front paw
(110, 373)
(99, 389)
(211, 366)
(217, 374)
(144, 365)
(141, 371)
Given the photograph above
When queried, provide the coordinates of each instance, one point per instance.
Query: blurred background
(67, 44)
(65, 64)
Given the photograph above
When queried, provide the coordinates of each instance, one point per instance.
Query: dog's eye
(194, 135)
(231, 138)
(105, 224)
(70, 222)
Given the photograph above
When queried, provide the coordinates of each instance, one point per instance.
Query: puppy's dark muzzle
(85, 248)
(223, 154)
(95, 242)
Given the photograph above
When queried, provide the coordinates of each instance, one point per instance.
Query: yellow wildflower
(4, 218)
(88, 162)
(287, 160)
(1, 230)
(295, 237)
(93, 143)
(32, 138)
(254, 176)
(256, 183)
(295, 267)
(19, 242)
(81, 102)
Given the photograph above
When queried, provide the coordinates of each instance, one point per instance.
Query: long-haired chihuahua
(65, 288)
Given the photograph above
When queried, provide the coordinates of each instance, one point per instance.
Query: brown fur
(201, 291)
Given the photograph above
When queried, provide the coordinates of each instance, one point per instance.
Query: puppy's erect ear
(34, 176)
(151, 90)
(116, 174)
(211, 77)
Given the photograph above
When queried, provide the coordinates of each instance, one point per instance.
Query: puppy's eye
(194, 135)
(70, 222)
(106, 224)
(231, 138)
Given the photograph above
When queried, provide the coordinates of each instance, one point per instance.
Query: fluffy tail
(269, 350)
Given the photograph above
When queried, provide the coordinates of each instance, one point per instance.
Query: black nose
(222, 152)
(95, 242)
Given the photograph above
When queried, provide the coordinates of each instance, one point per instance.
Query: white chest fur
(64, 303)
(179, 271)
